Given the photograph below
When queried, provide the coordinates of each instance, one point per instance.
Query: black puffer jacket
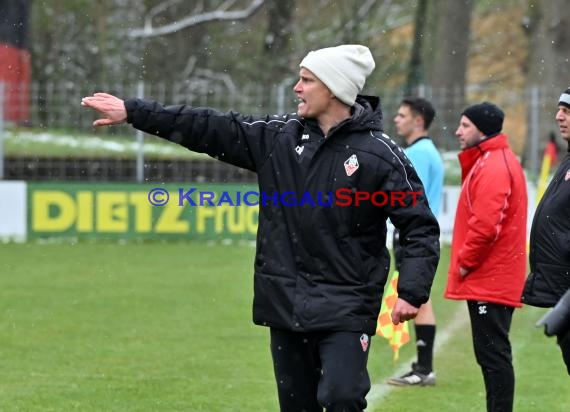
(318, 266)
(549, 259)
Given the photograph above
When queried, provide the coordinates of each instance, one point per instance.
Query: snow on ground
(87, 144)
(27, 142)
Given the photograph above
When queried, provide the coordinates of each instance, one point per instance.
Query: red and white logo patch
(364, 339)
(567, 175)
(351, 165)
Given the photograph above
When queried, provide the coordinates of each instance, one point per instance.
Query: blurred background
(106, 306)
(243, 55)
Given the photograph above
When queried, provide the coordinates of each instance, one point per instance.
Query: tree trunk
(276, 47)
(548, 28)
(415, 76)
(447, 74)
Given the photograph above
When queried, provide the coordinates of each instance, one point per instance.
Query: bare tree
(415, 72)
(221, 13)
(278, 34)
(548, 27)
(276, 49)
(447, 71)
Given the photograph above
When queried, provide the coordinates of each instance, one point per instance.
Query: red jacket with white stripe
(489, 235)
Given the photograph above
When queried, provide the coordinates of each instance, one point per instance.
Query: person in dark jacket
(488, 250)
(320, 264)
(549, 257)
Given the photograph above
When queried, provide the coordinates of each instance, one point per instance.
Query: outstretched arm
(112, 108)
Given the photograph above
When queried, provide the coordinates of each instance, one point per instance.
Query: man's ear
(419, 122)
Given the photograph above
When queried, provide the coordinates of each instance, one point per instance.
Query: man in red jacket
(488, 252)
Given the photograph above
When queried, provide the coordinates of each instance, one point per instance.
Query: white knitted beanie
(343, 69)
(565, 98)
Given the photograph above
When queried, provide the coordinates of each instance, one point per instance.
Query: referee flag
(398, 335)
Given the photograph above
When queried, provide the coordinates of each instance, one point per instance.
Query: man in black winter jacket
(321, 263)
(549, 277)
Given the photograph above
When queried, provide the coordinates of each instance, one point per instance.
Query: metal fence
(123, 170)
(55, 106)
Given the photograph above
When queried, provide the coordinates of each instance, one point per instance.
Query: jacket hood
(368, 112)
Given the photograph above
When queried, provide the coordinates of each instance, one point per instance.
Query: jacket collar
(417, 140)
(468, 157)
(366, 115)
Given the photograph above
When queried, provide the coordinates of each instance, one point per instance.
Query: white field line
(380, 389)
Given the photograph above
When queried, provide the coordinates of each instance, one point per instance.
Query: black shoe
(414, 378)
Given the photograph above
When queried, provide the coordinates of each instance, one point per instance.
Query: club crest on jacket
(351, 165)
(364, 342)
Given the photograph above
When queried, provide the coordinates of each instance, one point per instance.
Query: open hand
(112, 108)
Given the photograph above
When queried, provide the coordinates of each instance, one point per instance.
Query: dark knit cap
(565, 98)
(487, 117)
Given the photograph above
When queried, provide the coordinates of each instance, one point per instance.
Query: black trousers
(564, 343)
(490, 325)
(321, 370)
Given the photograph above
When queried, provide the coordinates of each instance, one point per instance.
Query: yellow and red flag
(397, 335)
(548, 160)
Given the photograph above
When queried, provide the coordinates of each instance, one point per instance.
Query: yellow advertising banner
(214, 211)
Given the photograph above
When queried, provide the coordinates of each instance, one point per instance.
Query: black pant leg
(297, 371)
(344, 380)
(321, 369)
(490, 325)
(564, 343)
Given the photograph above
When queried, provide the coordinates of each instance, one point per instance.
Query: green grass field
(167, 327)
